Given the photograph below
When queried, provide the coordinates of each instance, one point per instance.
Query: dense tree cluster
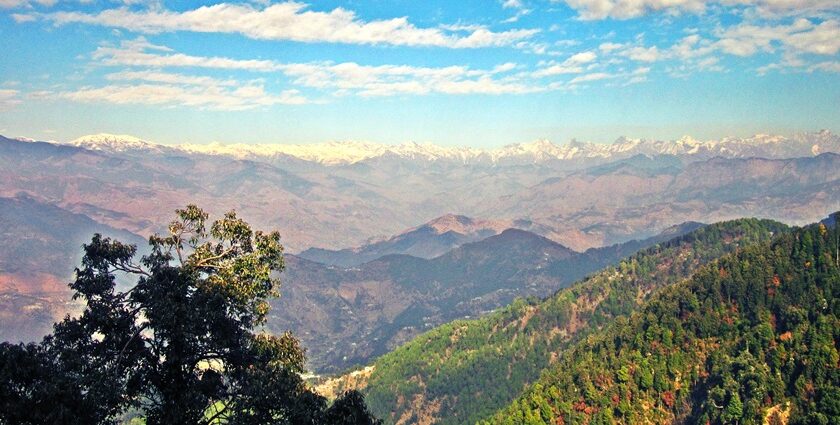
(178, 346)
(473, 368)
(752, 338)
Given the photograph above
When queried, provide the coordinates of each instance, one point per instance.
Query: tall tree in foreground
(179, 345)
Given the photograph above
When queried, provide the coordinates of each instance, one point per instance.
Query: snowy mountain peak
(327, 153)
(687, 140)
(113, 143)
(539, 151)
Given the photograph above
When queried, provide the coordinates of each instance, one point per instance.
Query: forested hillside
(751, 338)
(395, 298)
(464, 371)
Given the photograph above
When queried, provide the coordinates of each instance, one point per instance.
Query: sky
(455, 73)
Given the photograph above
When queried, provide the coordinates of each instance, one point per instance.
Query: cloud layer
(627, 9)
(777, 35)
(291, 21)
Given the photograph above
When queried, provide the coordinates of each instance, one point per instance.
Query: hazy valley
(511, 233)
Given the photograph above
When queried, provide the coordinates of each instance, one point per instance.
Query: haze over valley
(523, 220)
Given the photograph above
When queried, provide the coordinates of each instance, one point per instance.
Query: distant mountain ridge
(580, 203)
(347, 316)
(427, 241)
(41, 244)
(539, 151)
(344, 315)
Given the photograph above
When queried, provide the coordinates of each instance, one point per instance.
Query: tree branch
(216, 415)
(201, 262)
(130, 268)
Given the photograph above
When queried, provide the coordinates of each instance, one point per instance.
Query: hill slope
(347, 316)
(750, 338)
(39, 241)
(463, 371)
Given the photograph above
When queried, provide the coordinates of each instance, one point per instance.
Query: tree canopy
(180, 345)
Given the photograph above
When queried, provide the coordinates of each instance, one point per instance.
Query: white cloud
(206, 97)
(800, 37)
(833, 66)
(10, 4)
(342, 78)
(691, 47)
(692, 52)
(567, 43)
(572, 65)
(626, 9)
(291, 21)
(822, 39)
(17, 4)
(391, 80)
(780, 8)
(505, 67)
(139, 52)
(517, 5)
(642, 54)
(168, 78)
(582, 58)
(801, 44)
(609, 47)
(595, 76)
(21, 18)
(9, 99)
(795, 43)
(638, 75)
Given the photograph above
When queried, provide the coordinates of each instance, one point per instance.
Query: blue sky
(477, 73)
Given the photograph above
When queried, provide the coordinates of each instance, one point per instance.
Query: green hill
(751, 338)
(466, 370)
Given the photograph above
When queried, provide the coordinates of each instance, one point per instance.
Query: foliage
(179, 345)
(470, 369)
(350, 409)
(755, 330)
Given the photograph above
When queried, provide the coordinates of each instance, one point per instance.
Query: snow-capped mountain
(540, 151)
(115, 143)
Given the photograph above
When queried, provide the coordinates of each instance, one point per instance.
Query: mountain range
(581, 195)
(351, 211)
(547, 284)
(349, 315)
(342, 153)
(426, 241)
(344, 315)
(652, 339)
